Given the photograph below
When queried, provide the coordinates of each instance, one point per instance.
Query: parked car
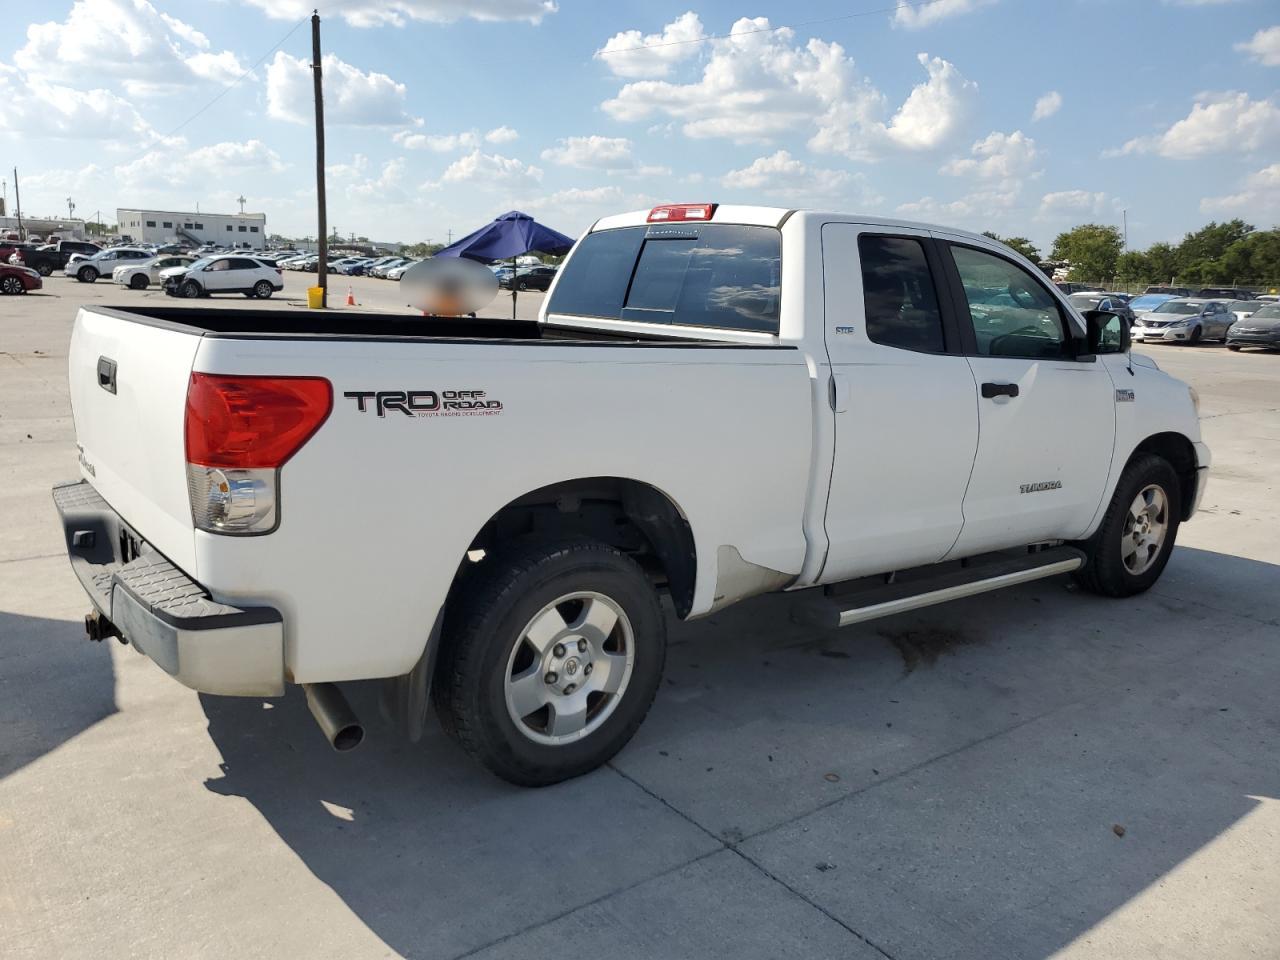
(1171, 291)
(529, 278)
(139, 276)
(18, 279)
(90, 269)
(1242, 309)
(1071, 286)
(398, 271)
(222, 274)
(1225, 293)
(1261, 329)
(54, 256)
(1102, 301)
(384, 271)
(867, 418)
(1148, 302)
(1184, 320)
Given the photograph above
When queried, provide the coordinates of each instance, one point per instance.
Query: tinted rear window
(708, 275)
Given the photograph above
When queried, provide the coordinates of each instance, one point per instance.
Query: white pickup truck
(716, 402)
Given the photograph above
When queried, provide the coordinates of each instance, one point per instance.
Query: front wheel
(1233, 346)
(138, 282)
(1132, 545)
(522, 285)
(550, 659)
(1194, 339)
(87, 275)
(190, 289)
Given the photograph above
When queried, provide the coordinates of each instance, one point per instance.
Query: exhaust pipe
(334, 715)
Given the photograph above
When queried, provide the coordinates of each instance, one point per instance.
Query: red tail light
(251, 422)
(682, 211)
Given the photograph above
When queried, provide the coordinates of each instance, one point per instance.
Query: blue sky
(1022, 116)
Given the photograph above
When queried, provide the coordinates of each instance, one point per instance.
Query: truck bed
(307, 324)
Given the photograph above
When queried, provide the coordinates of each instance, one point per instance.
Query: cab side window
(1013, 315)
(898, 293)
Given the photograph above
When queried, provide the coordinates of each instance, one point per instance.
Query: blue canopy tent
(507, 237)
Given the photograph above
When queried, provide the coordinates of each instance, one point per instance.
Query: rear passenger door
(906, 418)
(1046, 417)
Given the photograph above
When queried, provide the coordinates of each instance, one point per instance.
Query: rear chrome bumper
(206, 645)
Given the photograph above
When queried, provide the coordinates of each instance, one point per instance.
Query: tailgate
(128, 380)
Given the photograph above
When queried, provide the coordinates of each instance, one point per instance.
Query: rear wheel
(263, 289)
(1132, 545)
(12, 285)
(44, 269)
(1233, 346)
(551, 657)
(138, 282)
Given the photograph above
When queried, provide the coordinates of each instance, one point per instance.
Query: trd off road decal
(426, 403)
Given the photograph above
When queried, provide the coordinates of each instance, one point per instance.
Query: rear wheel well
(633, 517)
(1178, 452)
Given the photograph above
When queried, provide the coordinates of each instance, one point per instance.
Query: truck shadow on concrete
(1032, 763)
(51, 687)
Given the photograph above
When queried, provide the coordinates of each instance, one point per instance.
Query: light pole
(71, 209)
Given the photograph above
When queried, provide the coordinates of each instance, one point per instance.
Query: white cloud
(631, 54)
(759, 84)
(125, 42)
(1047, 106)
(377, 13)
(35, 108)
(1264, 47)
(490, 169)
(351, 96)
(1009, 157)
(386, 187)
(781, 174)
(1258, 196)
(978, 210)
(1229, 122)
(591, 153)
(501, 135)
(437, 142)
(1064, 203)
(175, 165)
(927, 14)
(356, 167)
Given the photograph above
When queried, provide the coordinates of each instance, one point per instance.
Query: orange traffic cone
(351, 297)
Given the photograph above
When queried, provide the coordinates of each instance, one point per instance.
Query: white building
(171, 226)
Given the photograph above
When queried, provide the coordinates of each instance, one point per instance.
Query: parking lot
(1033, 773)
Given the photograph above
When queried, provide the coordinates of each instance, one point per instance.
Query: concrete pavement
(1031, 774)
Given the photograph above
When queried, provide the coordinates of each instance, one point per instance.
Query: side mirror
(1108, 332)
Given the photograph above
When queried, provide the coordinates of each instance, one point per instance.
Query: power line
(784, 26)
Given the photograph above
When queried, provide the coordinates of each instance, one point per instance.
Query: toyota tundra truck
(715, 402)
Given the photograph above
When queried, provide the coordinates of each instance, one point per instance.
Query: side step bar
(870, 598)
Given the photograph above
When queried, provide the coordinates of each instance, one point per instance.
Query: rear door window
(899, 298)
(709, 275)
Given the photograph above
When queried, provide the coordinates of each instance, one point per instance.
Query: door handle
(107, 374)
(992, 390)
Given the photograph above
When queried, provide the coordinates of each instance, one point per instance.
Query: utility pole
(322, 264)
(1124, 215)
(17, 202)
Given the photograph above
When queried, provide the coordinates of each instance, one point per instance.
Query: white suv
(87, 271)
(222, 274)
(140, 275)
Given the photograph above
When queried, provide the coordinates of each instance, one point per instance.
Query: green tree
(421, 249)
(1133, 266)
(1254, 258)
(1092, 250)
(1162, 262)
(1018, 244)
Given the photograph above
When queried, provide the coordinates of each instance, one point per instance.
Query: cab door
(906, 417)
(1046, 414)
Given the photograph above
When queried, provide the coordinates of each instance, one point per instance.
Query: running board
(870, 598)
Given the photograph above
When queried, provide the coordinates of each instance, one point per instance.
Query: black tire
(522, 285)
(12, 285)
(263, 289)
(1194, 339)
(1233, 346)
(44, 269)
(1104, 572)
(483, 626)
(87, 275)
(190, 289)
(138, 281)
